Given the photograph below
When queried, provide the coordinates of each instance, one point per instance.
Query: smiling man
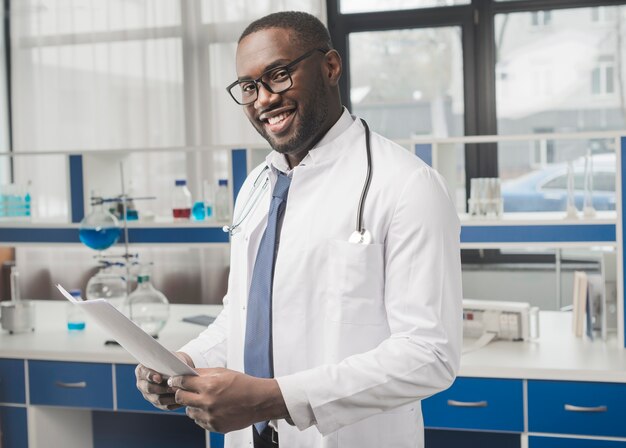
(343, 308)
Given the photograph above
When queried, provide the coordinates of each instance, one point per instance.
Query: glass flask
(107, 284)
(148, 307)
(99, 230)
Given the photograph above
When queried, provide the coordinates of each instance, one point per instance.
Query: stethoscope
(360, 235)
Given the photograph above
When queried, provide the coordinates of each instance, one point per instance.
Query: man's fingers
(200, 418)
(144, 373)
(150, 388)
(182, 382)
(162, 401)
(186, 398)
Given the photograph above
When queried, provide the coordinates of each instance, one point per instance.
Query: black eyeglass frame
(259, 80)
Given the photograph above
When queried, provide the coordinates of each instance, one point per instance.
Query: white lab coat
(361, 333)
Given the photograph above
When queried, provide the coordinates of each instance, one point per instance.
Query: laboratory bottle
(75, 315)
(207, 194)
(27, 200)
(148, 307)
(222, 204)
(181, 200)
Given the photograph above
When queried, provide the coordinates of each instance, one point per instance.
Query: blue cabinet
(436, 438)
(560, 442)
(568, 407)
(13, 428)
(86, 385)
(477, 404)
(132, 430)
(12, 382)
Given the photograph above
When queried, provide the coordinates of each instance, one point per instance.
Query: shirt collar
(278, 161)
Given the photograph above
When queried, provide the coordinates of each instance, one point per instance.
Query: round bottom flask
(107, 284)
(148, 307)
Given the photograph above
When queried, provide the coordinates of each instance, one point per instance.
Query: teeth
(277, 118)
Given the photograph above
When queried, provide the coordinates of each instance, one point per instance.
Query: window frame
(477, 21)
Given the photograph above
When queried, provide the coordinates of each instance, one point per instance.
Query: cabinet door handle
(467, 404)
(572, 408)
(79, 385)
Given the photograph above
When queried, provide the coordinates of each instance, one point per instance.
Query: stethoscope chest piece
(360, 237)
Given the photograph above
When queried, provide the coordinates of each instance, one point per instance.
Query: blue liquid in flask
(99, 238)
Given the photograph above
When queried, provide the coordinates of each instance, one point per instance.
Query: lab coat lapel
(252, 238)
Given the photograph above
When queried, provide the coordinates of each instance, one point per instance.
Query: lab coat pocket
(355, 283)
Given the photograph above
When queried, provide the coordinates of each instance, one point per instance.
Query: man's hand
(153, 385)
(223, 400)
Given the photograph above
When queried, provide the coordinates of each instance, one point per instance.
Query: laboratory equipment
(359, 236)
(514, 321)
(485, 197)
(75, 315)
(181, 200)
(222, 204)
(107, 284)
(18, 315)
(571, 211)
(588, 209)
(147, 306)
(207, 195)
(15, 202)
(198, 211)
(99, 230)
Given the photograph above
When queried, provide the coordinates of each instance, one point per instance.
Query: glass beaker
(148, 307)
(99, 230)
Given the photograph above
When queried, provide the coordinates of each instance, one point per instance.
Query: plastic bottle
(181, 200)
(148, 307)
(75, 316)
(222, 204)
(207, 193)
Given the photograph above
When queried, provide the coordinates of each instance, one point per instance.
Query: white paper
(143, 347)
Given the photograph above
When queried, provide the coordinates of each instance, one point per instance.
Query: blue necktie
(258, 344)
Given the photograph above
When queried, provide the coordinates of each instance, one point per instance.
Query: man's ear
(332, 67)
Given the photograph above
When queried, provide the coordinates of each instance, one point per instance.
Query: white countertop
(52, 341)
(556, 355)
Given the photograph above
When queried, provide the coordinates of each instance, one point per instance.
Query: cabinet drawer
(477, 403)
(558, 442)
(86, 385)
(12, 381)
(568, 407)
(14, 432)
(128, 396)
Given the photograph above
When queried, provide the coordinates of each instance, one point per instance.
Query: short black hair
(309, 30)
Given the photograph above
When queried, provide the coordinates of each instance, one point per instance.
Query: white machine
(513, 321)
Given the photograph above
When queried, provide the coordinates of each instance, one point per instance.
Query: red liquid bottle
(181, 200)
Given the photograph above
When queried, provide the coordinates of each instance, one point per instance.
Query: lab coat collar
(320, 152)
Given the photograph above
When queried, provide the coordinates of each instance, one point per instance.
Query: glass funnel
(99, 230)
(107, 284)
(147, 306)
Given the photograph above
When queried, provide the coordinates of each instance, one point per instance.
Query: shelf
(540, 218)
(195, 233)
(546, 228)
(587, 234)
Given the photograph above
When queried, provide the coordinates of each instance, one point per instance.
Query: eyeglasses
(275, 80)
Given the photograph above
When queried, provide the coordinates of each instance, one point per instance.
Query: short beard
(311, 123)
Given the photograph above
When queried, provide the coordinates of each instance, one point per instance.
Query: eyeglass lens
(276, 81)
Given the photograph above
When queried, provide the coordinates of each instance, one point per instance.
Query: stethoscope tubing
(368, 179)
(360, 228)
